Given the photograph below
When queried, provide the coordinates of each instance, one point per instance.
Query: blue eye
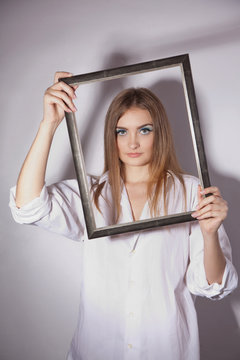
(146, 130)
(121, 132)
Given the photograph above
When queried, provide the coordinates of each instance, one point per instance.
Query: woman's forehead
(135, 117)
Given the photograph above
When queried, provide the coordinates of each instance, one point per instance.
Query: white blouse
(135, 297)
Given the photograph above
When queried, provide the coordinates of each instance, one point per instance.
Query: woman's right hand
(57, 99)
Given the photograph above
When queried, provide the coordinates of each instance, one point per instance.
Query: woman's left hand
(211, 210)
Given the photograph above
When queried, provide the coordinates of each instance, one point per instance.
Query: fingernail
(194, 214)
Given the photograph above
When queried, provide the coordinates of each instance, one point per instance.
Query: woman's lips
(134, 155)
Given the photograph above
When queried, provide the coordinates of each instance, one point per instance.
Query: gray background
(39, 289)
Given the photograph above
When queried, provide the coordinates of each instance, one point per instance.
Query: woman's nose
(133, 142)
(133, 146)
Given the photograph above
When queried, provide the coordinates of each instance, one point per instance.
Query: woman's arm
(57, 99)
(211, 212)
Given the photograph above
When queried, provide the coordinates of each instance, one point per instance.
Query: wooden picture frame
(181, 61)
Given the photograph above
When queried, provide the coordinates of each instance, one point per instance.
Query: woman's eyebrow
(139, 127)
(144, 125)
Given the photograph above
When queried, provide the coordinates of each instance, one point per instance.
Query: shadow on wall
(219, 334)
(219, 329)
(213, 37)
(171, 94)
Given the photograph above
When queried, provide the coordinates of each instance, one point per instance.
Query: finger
(211, 190)
(207, 208)
(56, 100)
(200, 196)
(206, 201)
(64, 87)
(220, 208)
(214, 199)
(59, 74)
(62, 95)
(213, 214)
(65, 98)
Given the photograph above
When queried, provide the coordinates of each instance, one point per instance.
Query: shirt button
(131, 314)
(130, 346)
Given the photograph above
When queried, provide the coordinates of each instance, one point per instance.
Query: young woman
(135, 299)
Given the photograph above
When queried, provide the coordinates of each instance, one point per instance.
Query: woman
(135, 299)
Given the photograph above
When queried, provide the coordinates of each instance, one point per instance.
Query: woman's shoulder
(189, 180)
(64, 186)
(73, 183)
(70, 187)
(191, 188)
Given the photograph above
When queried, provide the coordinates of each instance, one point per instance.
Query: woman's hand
(57, 99)
(211, 210)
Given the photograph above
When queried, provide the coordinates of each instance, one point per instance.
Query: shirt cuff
(198, 284)
(33, 211)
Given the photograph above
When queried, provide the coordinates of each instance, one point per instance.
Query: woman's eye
(121, 132)
(146, 130)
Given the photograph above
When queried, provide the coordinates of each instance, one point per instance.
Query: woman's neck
(136, 174)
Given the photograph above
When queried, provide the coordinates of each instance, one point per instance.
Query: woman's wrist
(48, 128)
(210, 236)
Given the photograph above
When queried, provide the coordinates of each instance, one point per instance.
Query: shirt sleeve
(196, 277)
(57, 209)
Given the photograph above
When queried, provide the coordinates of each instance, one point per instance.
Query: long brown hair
(164, 161)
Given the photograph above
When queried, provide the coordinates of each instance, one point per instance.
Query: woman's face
(135, 137)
